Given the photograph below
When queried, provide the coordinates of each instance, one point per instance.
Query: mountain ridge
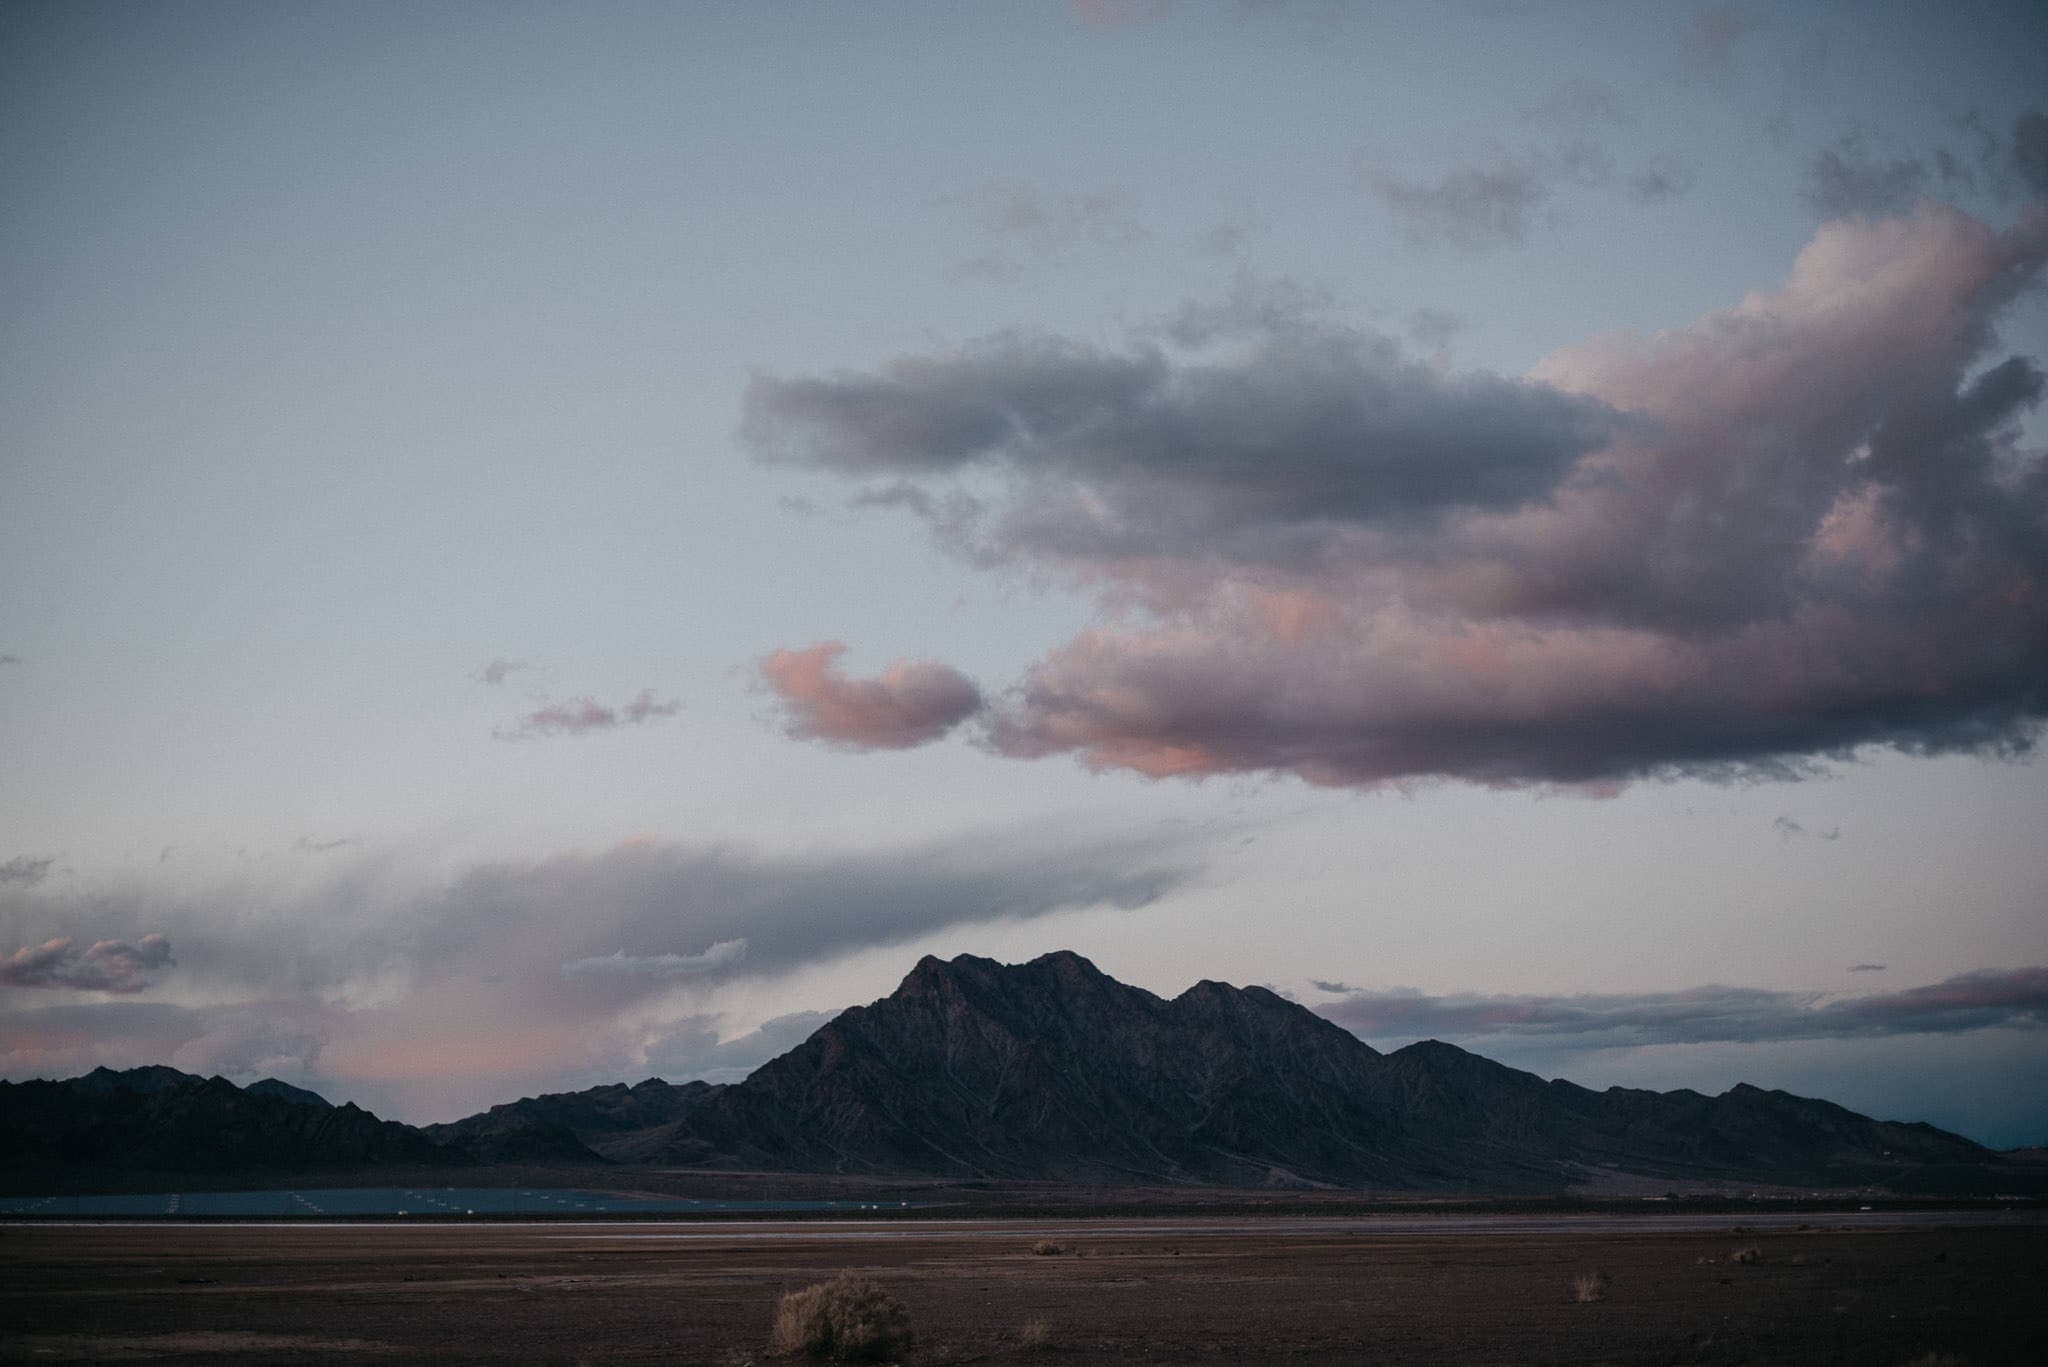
(1049, 1070)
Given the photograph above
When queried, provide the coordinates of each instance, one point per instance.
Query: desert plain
(1874, 1288)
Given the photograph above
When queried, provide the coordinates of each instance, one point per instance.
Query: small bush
(1588, 1287)
(1035, 1335)
(1046, 1248)
(848, 1319)
(1748, 1253)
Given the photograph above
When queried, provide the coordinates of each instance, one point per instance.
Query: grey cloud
(1489, 202)
(1842, 180)
(103, 966)
(1583, 102)
(10, 659)
(1334, 987)
(1661, 179)
(1472, 208)
(25, 871)
(579, 716)
(1804, 524)
(2030, 151)
(498, 670)
(724, 954)
(1866, 968)
(1709, 41)
(1786, 828)
(1260, 457)
(1991, 999)
(1434, 327)
(389, 959)
(306, 844)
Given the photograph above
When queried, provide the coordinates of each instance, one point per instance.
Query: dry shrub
(1748, 1253)
(848, 1319)
(1588, 1287)
(1035, 1335)
(1046, 1248)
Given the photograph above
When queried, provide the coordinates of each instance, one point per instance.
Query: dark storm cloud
(1801, 525)
(103, 966)
(1991, 999)
(579, 716)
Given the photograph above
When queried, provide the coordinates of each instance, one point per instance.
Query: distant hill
(158, 1119)
(1049, 1070)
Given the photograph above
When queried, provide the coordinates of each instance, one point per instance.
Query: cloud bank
(1991, 999)
(104, 966)
(424, 992)
(911, 703)
(1797, 526)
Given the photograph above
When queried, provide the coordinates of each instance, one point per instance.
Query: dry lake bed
(1821, 1289)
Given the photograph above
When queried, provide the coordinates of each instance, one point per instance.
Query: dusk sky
(544, 545)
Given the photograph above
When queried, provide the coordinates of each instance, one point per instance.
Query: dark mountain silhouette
(1052, 1069)
(1049, 1070)
(158, 1119)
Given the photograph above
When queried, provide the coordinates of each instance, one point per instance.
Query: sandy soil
(1336, 1291)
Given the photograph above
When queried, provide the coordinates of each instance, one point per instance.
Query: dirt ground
(1311, 1291)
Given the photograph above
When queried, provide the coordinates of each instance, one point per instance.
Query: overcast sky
(543, 545)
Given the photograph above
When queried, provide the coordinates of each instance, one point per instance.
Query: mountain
(1048, 1070)
(158, 1119)
(605, 1123)
(1054, 1070)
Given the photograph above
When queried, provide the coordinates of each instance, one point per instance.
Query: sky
(549, 545)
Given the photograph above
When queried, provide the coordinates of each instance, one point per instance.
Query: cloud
(1118, 13)
(1583, 102)
(497, 670)
(1866, 968)
(306, 844)
(1842, 180)
(1662, 179)
(1786, 828)
(1709, 41)
(10, 660)
(25, 871)
(2030, 151)
(1798, 526)
(419, 991)
(105, 966)
(663, 966)
(911, 703)
(1991, 999)
(580, 716)
(1486, 204)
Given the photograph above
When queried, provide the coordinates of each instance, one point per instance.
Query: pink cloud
(910, 703)
(1798, 525)
(106, 966)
